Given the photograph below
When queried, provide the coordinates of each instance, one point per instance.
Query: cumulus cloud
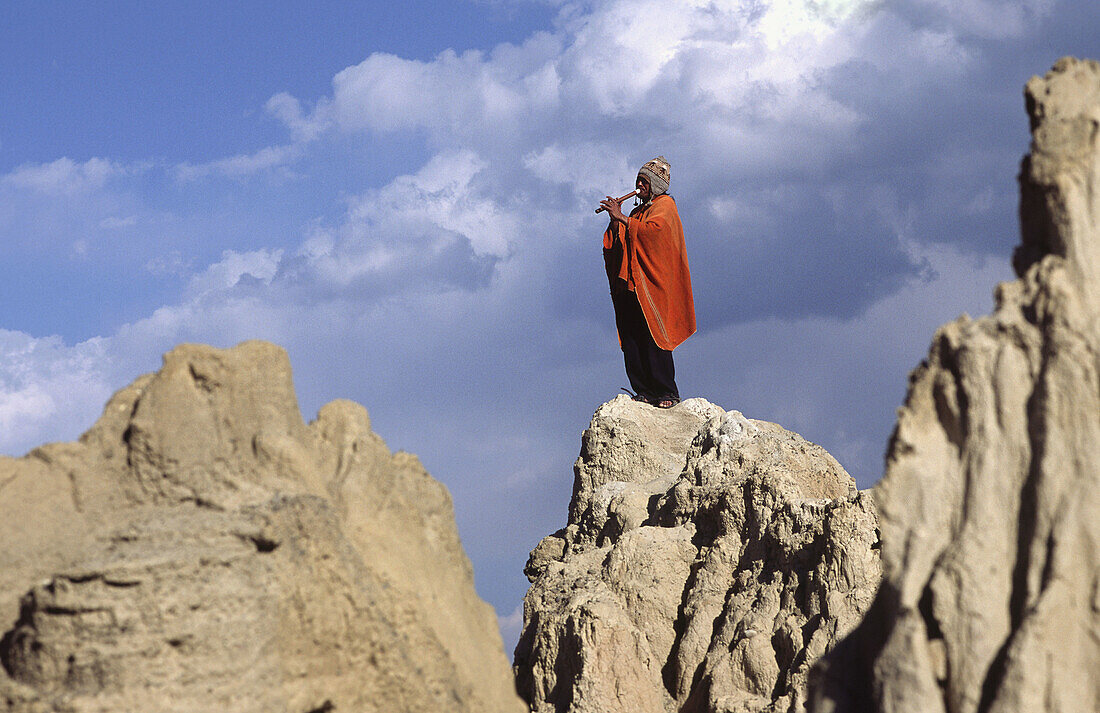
(429, 231)
(467, 94)
(618, 60)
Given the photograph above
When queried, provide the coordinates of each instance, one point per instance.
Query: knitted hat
(658, 173)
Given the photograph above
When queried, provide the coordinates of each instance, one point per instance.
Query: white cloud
(233, 267)
(510, 627)
(590, 168)
(63, 177)
(786, 20)
(644, 58)
(47, 389)
(64, 209)
(243, 165)
(454, 94)
(169, 264)
(113, 222)
(414, 232)
(445, 195)
(639, 57)
(289, 111)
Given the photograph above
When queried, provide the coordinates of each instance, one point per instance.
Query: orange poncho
(652, 260)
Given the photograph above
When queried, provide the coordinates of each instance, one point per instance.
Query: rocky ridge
(991, 540)
(708, 561)
(201, 548)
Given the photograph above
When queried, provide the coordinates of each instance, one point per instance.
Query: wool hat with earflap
(658, 173)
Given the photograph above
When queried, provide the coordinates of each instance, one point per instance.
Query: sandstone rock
(991, 540)
(203, 549)
(708, 561)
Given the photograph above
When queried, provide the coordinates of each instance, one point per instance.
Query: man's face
(643, 187)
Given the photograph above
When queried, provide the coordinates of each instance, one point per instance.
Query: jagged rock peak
(991, 596)
(201, 548)
(708, 560)
(1060, 178)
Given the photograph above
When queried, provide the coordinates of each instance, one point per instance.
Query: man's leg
(662, 372)
(633, 335)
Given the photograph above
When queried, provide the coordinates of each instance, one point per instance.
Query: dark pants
(648, 367)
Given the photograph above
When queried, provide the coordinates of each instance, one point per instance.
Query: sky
(402, 195)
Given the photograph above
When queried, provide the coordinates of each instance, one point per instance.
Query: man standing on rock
(647, 267)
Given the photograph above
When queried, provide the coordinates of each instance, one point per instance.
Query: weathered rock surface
(990, 506)
(708, 561)
(201, 548)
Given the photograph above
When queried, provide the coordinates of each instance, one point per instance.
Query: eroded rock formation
(203, 549)
(708, 561)
(990, 506)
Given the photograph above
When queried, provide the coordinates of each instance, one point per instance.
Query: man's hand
(614, 209)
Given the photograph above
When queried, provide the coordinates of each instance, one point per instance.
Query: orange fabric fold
(652, 260)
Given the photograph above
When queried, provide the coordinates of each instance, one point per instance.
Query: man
(647, 267)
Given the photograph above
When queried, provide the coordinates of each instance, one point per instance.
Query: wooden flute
(620, 200)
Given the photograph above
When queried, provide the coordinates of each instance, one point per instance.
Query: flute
(620, 200)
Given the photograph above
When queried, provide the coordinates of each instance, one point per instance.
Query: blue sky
(401, 195)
